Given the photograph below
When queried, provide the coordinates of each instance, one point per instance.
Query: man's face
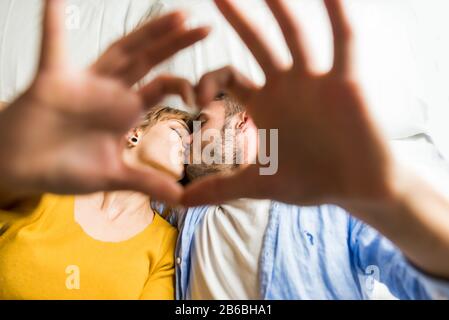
(211, 118)
(213, 121)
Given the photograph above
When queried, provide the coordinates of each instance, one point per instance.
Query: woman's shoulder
(49, 200)
(36, 205)
(33, 209)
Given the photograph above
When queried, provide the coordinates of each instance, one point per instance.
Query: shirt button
(178, 260)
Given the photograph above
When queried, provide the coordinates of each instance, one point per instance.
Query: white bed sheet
(91, 26)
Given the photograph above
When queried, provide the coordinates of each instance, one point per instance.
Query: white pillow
(92, 25)
(386, 64)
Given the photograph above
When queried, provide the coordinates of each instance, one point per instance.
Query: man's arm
(2, 105)
(330, 148)
(378, 258)
(415, 218)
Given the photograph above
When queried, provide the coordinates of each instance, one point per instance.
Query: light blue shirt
(317, 253)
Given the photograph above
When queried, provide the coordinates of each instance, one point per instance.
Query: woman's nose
(187, 141)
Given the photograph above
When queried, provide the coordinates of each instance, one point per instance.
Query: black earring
(134, 140)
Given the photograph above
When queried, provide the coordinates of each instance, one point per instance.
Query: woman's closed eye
(177, 132)
(180, 130)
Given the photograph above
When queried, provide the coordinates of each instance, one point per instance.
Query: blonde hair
(165, 113)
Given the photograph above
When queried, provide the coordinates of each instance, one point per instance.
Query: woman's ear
(134, 137)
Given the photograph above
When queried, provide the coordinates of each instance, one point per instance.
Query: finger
(151, 31)
(52, 48)
(165, 48)
(164, 85)
(221, 188)
(110, 105)
(251, 36)
(292, 33)
(121, 55)
(227, 79)
(156, 184)
(342, 33)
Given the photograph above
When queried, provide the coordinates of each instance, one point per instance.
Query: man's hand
(65, 134)
(330, 150)
(329, 147)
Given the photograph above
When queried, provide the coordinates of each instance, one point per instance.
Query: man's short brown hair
(232, 106)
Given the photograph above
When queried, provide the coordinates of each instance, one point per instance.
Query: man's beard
(195, 171)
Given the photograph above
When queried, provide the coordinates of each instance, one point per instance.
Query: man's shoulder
(176, 216)
(323, 209)
(321, 214)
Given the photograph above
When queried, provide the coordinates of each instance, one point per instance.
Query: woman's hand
(65, 134)
(330, 150)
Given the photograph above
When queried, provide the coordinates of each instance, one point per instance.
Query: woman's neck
(119, 203)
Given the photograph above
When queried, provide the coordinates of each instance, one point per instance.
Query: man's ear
(244, 121)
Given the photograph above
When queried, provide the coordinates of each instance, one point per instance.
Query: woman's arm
(98, 104)
(161, 283)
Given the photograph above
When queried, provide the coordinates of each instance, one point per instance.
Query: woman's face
(163, 146)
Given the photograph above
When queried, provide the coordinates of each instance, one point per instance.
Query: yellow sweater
(46, 255)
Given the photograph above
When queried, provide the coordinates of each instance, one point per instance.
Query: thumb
(226, 79)
(165, 85)
(220, 188)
